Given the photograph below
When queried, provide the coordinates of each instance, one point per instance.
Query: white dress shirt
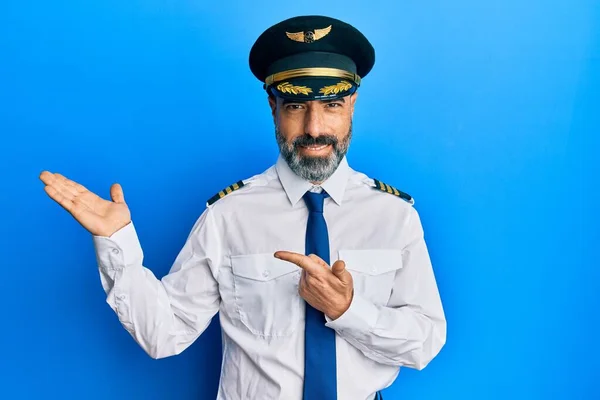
(227, 265)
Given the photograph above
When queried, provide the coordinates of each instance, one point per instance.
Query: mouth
(314, 149)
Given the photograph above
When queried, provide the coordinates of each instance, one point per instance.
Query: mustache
(321, 140)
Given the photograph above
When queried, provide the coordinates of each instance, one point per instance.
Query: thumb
(116, 193)
(339, 270)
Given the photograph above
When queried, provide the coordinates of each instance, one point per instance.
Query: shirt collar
(295, 186)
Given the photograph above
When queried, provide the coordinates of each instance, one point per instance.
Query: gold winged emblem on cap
(309, 36)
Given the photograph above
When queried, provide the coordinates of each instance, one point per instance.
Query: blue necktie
(320, 380)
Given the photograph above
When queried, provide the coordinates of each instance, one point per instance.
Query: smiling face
(313, 136)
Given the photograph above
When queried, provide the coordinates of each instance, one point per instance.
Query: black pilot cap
(311, 58)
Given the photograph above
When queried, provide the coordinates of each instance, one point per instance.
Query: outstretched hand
(100, 217)
(328, 290)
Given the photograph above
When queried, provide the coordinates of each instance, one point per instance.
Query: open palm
(99, 216)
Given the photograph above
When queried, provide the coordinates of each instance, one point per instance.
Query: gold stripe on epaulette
(384, 187)
(225, 192)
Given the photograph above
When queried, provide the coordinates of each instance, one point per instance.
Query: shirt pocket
(266, 294)
(373, 272)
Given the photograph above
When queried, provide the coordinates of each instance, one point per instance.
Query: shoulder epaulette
(225, 192)
(384, 187)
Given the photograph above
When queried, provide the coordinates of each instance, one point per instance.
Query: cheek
(290, 127)
(340, 125)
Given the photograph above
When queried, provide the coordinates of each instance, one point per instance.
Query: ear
(273, 105)
(353, 98)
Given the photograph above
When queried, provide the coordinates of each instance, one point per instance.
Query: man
(295, 325)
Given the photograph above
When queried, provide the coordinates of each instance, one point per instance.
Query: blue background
(486, 112)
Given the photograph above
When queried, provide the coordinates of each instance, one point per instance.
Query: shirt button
(115, 251)
(265, 274)
(121, 297)
(373, 269)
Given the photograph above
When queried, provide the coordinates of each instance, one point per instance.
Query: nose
(314, 124)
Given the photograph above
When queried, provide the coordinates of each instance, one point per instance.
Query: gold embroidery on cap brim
(287, 87)
(337, 88)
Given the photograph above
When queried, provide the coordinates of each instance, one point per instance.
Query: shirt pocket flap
(261, 267)
(372, 262)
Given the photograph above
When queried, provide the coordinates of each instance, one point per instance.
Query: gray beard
(313, 169)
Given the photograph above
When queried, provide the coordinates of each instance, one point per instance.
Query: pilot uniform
(227, 262)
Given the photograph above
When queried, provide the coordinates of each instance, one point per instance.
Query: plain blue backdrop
(486, 112)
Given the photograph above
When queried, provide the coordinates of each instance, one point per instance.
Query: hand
(328, 290)
(100, 217)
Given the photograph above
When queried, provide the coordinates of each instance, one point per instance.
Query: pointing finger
(306, 263)
(318, 260)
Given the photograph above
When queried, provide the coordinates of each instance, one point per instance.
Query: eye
(293, 106)
(334, 105)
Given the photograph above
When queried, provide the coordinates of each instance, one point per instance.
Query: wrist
(339, 311)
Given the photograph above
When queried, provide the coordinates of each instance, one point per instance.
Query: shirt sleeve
(164, 316)
(410, 329)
